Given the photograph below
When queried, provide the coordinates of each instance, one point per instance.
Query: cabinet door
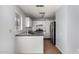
(29, 44)
(28, 22)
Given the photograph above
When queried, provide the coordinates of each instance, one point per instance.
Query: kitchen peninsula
(29, 43)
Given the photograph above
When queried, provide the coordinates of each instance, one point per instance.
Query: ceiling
(47, 11)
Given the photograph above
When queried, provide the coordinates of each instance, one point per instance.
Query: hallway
(49, 48)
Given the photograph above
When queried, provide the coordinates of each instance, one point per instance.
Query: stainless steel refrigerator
(53, 32)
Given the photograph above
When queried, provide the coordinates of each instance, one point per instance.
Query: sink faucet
(27, 30)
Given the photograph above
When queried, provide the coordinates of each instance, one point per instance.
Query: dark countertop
(35, 34)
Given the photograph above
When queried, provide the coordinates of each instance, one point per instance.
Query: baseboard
(59, 49)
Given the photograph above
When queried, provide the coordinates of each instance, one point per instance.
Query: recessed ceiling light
(39, 5)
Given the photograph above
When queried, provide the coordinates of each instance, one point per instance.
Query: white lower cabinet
(29, 44)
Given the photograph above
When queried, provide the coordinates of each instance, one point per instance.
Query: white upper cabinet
(28, 22)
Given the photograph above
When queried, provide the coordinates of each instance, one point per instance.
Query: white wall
(73, 29)
(67, 29)
(46, 26)
(61, 29)
(7, 29)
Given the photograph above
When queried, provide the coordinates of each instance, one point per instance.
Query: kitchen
(34, 29)
(39, 29)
